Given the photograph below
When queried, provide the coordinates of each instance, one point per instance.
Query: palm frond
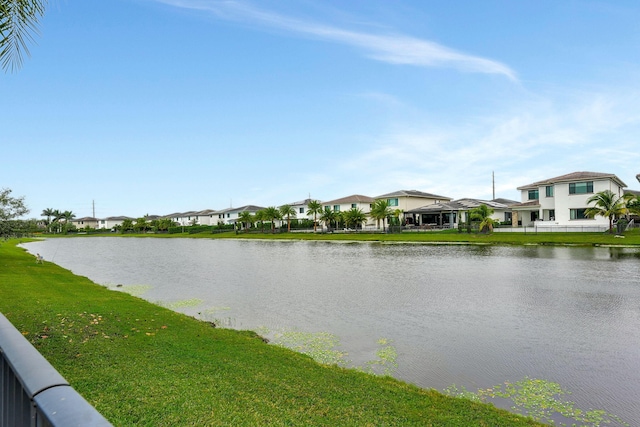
(18, 24)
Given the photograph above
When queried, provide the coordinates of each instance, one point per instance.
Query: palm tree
(127, 225)
(141, 224)
(246, 218)
(272, 214)
(633, 205)
(260, 217)
(314, 207)
(483, 214)
(57, 216)
(67, 216)
(396, 215)
(48, 213)
(607, 205)
(355, 217)
(328, 216)
(380, 210)
(18, 21)
(287, 211)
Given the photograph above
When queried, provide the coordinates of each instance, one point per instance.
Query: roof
(86, 218)
(304, 202)
(505, 201)
(356, 198)
(412, 193)
(574, 176)
(248, 208)
(457, 205)
(529, 204)
(638, 177)
(117, 218)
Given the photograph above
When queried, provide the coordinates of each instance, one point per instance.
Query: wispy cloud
(389, 48)
(539, 140)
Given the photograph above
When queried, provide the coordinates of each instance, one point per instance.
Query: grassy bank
(140, 364)
(631, 238)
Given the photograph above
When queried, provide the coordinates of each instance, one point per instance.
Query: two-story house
(562, 201)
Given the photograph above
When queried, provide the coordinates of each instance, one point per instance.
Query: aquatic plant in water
(193, 302)
(541, 400)
(322, 347)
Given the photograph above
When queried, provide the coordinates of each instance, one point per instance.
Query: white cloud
(389, 48)
(540, 140)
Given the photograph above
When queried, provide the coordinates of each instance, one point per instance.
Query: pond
(474, 316)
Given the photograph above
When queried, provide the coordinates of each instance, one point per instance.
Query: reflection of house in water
(448, 214)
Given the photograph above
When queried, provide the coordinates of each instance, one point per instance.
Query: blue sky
(157, 106)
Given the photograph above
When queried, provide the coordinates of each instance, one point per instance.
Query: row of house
(560, 201)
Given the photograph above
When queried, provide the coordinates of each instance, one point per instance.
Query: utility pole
(93, 204)
(493, 184)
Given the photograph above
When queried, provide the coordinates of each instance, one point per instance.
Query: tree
(272, 214)
(48, 213)
(67, 216)
(10, 208)
(633, 205)
(287, 211)
(140, 225)
(314, 208)
(380, 210)
(18, 21)
(260, 217)
(127, 225)
(396, 216)
(608, 205)
(354, 217)
(329, 216)
(163, 224)
(483, 214)
(246, 218)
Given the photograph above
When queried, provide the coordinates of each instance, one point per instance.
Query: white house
(357, 201)
(562, 201)
(230, 215)
(87, 221)
(112, 221)
(206, 217)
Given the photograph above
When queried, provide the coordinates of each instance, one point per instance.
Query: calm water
(473, 316)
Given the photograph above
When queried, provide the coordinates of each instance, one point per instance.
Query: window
(507, 217)
(552, 214)
(392, 202)
(533, 195)
(336, 208)
(577, 214)
(534, 216)
(228, 215)
(353, 205)
(301, 210)
(549, 190)
(581, 187)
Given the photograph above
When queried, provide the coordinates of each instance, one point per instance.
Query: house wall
(363, 206)
(557, 208)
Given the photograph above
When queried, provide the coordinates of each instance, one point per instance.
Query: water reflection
(470, 315)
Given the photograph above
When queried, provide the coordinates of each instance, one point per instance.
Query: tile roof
(459, 204)
(412, 193)
(355, 198)
(574, 176)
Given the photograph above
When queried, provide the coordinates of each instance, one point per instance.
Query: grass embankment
(631, 238)
(140, 364)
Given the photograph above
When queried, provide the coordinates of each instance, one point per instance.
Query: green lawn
(144, 365)
(631, 238)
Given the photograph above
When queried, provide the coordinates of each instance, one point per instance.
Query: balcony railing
(33, 393)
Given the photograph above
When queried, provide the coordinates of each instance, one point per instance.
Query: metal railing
(33, 393)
